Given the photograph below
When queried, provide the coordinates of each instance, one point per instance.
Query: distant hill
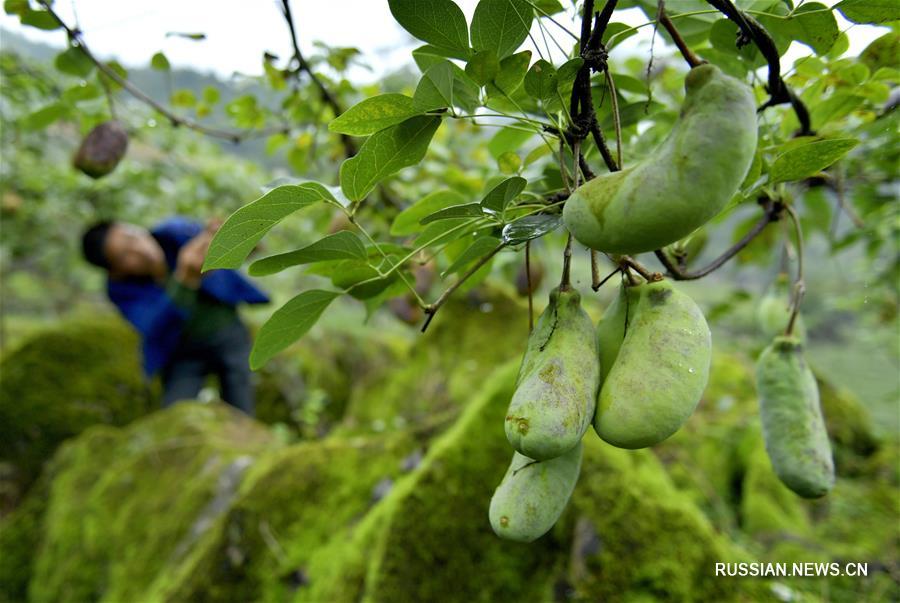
(160, 85)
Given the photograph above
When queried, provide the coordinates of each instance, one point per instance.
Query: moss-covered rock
(291, 502)
(60, 381)
(309, 386)
(430, 539)
(127, 507)
(468, 339)
(629, 533)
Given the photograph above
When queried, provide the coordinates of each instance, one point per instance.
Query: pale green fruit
(660, 372)
(612, 326)
(684, 183)
(533, 494)
(774, 310)
(793, 427)
(553, 404)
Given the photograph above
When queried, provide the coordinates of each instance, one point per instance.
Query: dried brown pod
(102, 149)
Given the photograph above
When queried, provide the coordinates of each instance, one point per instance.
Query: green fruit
(612, 326)
(102, 149)
(774, 310)
(556, 392)
(679, 187)
(533, 494)
(660, 372)
(793, 427)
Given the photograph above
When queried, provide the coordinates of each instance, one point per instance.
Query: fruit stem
(799, 286)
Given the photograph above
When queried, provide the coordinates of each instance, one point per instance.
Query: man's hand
(190, 259)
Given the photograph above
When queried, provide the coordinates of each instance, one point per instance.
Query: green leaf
(818, 29)
(81, 92)
(477, 250)
(386, 152)
(440, 23)
(540, 81)
(467, 210)
(184, 98)
(501, 25)
(500, 196)
(244, 228)
(211, 95)
(194, 37)
(512, 72)
(507, 139)
(530, 227)
(343, 245)
(808, 159)
(483, 67)
(443, 231)
(407, 221)
(44, 117)
(509, 163)
(869, 11)
(621, 31)
(159, 62)
(374, 114)
(288, 324)
(435, 89)
(360, 279)
(73, 61)
(39, 19)
(565, 77)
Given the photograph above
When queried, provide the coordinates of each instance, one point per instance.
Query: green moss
(849, 427)
(291, 502)
(430, 537)
(127, 506)
(643, 539)
(20, 533)
(768, 507)
(310, 386)
(63, 380)
(702, 458)
(470, 337)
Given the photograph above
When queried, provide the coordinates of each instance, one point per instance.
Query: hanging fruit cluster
(638, 376)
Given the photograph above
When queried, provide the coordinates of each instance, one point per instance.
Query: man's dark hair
(93, 241)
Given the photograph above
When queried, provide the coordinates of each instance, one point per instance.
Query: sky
(240, 31)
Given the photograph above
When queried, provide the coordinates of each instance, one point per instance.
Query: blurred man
(188, 321)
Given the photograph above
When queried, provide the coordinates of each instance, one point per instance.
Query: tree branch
(432, 309)
(779, 92)
(303, 66)
(772, 214)
(692, 59)
(176, 120)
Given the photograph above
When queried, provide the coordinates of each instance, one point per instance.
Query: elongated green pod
(793, 427)
(659, 373)
(553, 404)
(683, 183)
(612, 326)
(774, 310)
(533, 494)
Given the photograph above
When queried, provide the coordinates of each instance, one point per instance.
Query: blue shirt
(150, 307)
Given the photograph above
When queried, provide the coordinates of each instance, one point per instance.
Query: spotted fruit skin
(533, 494)
(556, 393)
(659, 373)
(683, 183)
(793, 427)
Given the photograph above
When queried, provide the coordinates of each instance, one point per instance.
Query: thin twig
(176, 120)
(779, 92)
(596, 287)
(595, 270)
(617, 123)
(799, 286)
(772, 212)
(302, 65)
(692, 59)
(630, 262)
(528, 284)
(432, 309)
